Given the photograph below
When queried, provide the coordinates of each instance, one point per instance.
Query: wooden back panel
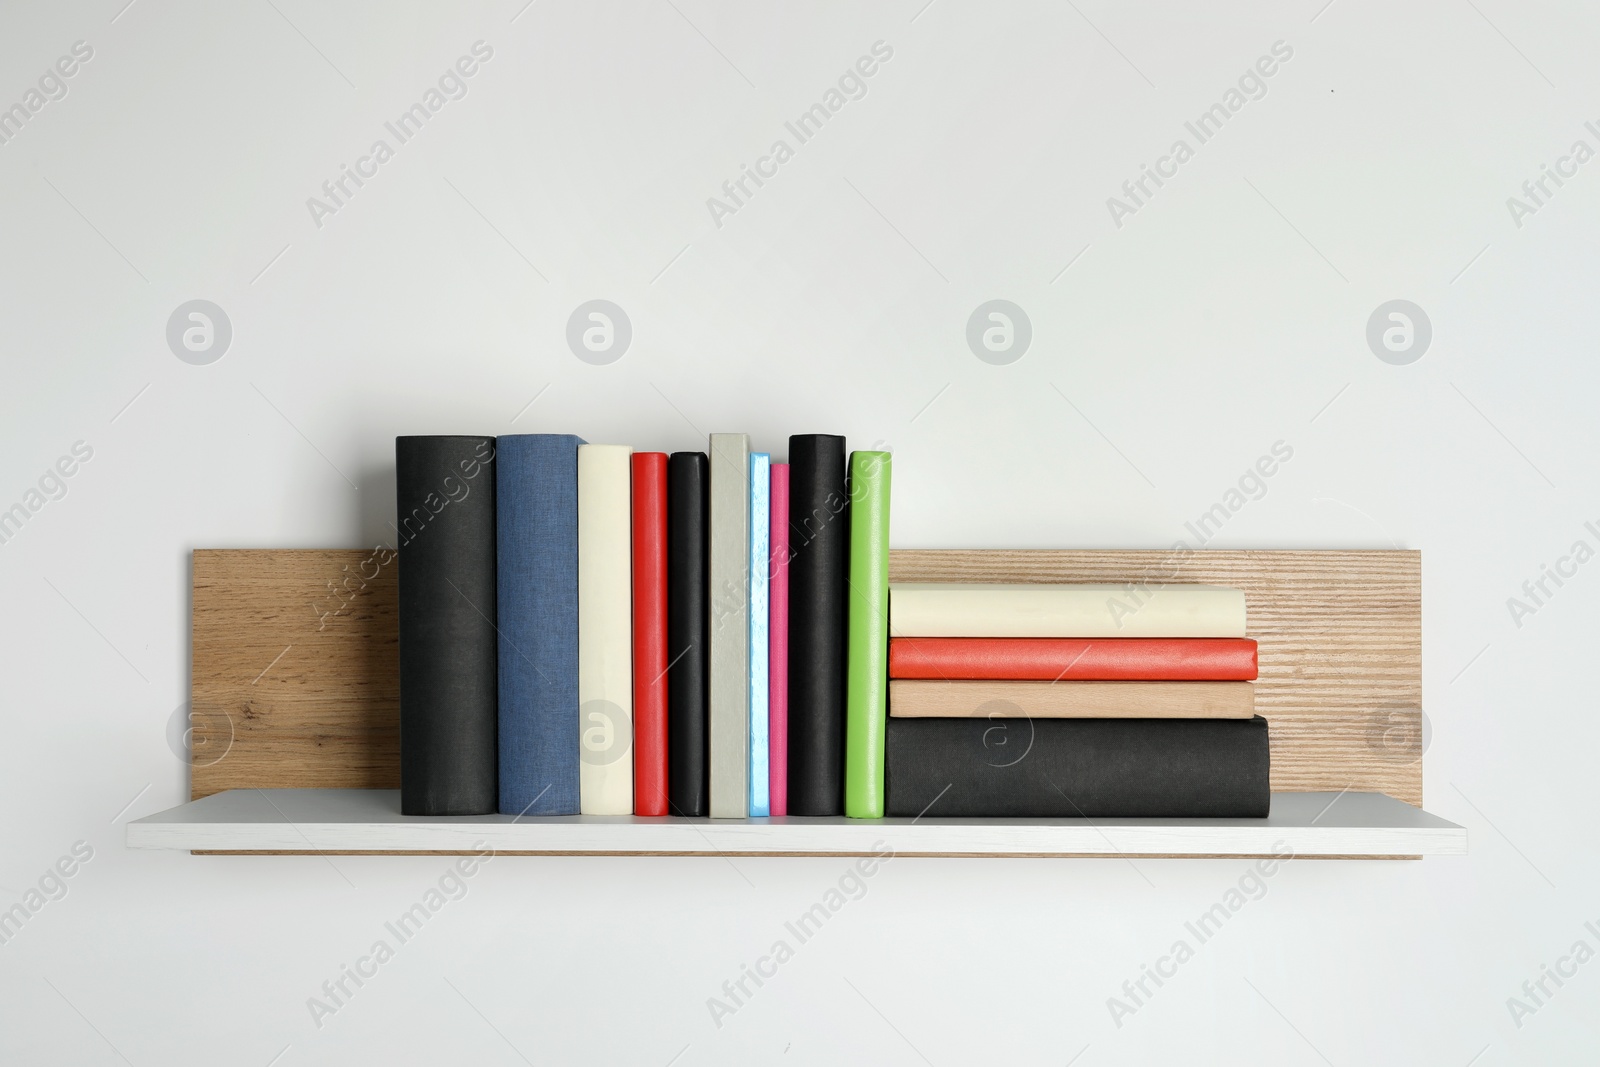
(295, 680)
(295, 673)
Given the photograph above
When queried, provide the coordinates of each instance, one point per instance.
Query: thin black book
(819, 576)
(688, 575)
(1089, 768)
(445, 502)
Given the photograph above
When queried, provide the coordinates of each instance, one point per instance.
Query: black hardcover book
(819, 576)
(1094, 768)
(444, 497)
(688, 616)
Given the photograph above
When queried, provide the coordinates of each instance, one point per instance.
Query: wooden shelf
(294, 686)
(296, 723)
(342, 821)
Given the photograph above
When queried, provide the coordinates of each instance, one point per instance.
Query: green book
(867, 646)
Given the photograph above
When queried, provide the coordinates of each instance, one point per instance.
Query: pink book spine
(778, 647)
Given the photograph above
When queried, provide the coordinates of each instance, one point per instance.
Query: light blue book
(760, 550)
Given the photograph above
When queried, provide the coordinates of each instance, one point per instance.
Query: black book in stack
(1084, 768)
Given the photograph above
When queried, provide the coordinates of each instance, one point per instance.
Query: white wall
(1228, 313)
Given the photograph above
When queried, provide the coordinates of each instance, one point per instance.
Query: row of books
(585, 629)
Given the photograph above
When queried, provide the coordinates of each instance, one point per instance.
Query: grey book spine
(730, 626)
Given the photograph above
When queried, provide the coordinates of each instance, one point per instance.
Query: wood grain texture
(295, 680)
(296, 657)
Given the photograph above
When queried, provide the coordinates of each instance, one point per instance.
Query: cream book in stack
(962, 609)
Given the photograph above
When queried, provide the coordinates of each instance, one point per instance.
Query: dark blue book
(537, 554)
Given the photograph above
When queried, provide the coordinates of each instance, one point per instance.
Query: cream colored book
(970, 609)
(605, 630)
(920, 698)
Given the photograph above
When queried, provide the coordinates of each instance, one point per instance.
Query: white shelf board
(369, 820)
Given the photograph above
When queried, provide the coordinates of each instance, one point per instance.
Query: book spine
(650, 633)
(1042, 610)
(1079, 768)
(819, 545)
(537, 522)
(445, 503)
(866, 694)
(730, 626)
(1220, 659)
(778, 647)
(760, 551)
(688, 614)
(911, 697)
(605, 631)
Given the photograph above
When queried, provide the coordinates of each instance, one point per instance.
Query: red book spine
(650, 633)
(1172, 659)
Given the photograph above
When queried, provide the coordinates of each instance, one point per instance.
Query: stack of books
(586, 629)
(1073, 700)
